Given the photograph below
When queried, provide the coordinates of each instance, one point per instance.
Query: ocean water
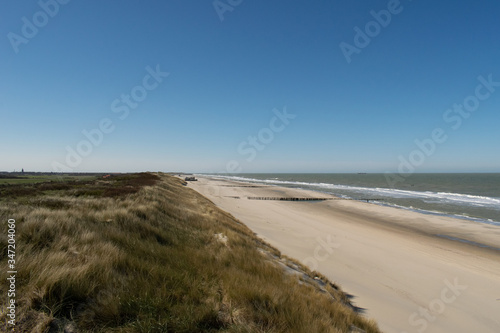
(470, 196)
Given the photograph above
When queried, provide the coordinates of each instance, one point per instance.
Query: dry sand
(391, 260)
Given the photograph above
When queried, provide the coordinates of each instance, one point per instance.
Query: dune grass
(143, 253)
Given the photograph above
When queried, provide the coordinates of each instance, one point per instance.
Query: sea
(470, 196)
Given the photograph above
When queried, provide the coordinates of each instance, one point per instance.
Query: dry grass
(140, 254)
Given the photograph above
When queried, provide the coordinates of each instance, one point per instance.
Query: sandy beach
(406, 270)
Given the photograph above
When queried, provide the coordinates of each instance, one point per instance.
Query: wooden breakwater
(289, 198)
(306, 199)
(252, 186)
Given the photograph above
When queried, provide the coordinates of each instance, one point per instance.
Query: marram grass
(143, 253)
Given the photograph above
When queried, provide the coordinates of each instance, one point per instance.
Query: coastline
(395, 262)
(440, 195)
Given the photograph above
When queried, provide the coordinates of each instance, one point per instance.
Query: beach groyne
(306, 199)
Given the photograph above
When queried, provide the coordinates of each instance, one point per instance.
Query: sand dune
(402, 268)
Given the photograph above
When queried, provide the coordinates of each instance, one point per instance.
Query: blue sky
(229, 78)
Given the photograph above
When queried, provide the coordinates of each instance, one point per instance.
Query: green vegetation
(143, 253)
(33, 179)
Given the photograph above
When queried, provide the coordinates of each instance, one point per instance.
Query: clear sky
(252, 85)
